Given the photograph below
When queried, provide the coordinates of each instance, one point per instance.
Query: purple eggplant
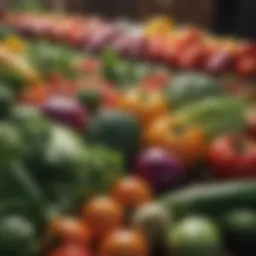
(160, 168)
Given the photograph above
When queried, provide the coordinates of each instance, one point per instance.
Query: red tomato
(156, 82)
(77, 33)
(246, 67)
(111, 96)
(246, 49)
(233, 157)
(35, 96)
(61, 86)
(189, 36)
(172, 51)
(59, 32)
(155, 48)
(70, 250)
(192, 57)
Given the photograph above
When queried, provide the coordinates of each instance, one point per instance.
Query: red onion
(160, 168)
(66, 111)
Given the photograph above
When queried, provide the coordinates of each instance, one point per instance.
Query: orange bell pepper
(144, 105)
(35, 95)
(188, 143)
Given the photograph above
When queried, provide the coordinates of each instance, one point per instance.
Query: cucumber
(211, 200)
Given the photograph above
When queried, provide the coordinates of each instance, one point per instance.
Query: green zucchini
(211, 200)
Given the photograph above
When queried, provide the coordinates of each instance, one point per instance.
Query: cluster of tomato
(189, 48)
(104, 224)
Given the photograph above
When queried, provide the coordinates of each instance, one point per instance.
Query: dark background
(228, 17)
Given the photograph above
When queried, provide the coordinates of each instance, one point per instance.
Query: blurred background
(231, 17)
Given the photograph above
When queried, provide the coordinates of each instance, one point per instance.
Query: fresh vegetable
(51, 59)
(6, 101)
(16, 71)
(91, 99)
(246, 67)
(120, 71)
(52, 157)
(153, 221)
(114, 68)
(233, 157)
(219, 62)
(135, 46)
(132, 192)
(124, 242)
(69, 230)
(98, 41)
(99, 169)
(15, 44)
(66, 111)
(117, 130)
(17, 235)
(216, 115)
(16, 176)
(186, 142)
(195, 236)
(160, 168)
(103, 215)
(70, 249)
(11, 145)
(191, 87)
(35, 96)
(35, 130)
(144, 105)
(192, 56)
(211, 199)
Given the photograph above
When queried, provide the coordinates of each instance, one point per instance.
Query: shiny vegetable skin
(124, 242)
(211, 199)
(115, 129)
(144, 105)
(195, 236)
(216, 115)
(233, 157)
(170, 133)
(103, 215)
(191, 87)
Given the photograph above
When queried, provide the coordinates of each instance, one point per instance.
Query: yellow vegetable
(19, 64)
(15, 44)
